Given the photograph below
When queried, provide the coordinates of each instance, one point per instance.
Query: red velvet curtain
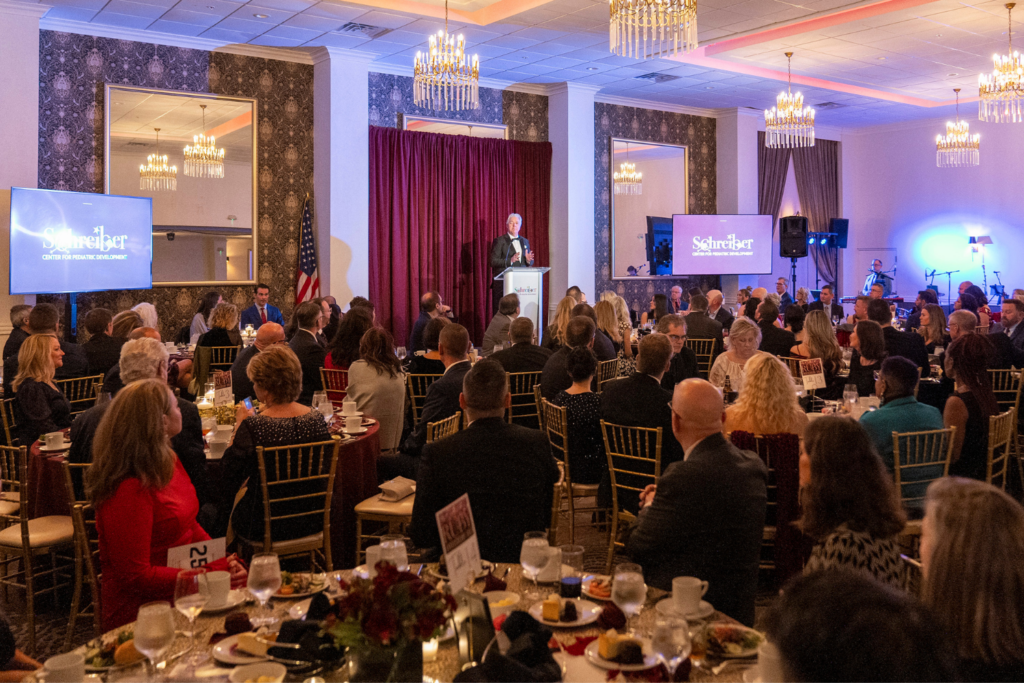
(436, 204)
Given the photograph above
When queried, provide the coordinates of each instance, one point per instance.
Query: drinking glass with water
(534, 557)
(628, 590)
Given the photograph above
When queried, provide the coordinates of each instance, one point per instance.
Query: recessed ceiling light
(262, 16)
(591, 68)
(951, 75)
(881, 59)
(710, 87)
(938, 35)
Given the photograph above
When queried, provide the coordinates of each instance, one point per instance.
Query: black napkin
(528, 658)
(314, 647)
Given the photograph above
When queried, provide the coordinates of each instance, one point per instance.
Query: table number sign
(458, 540)
(813, 374)
(222, 389)
(196, 555)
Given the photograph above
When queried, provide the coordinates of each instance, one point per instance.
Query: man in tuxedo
(268, 335)
(717, 310)
(497, 330)
(705, 516)
(910, 345)
(604, 349)
(524, 355)
(700, 326)
(675, 300)
(307, 347)
(1010, 319)
(430, 308)
(508, 250)
(826, 302)
(44, 319)
(774, 340)
(261, 311)
(555, 377)
(20, 330)
(640, 401)
(506, 469)
(684, 361)
(102, 349)
(781, 285)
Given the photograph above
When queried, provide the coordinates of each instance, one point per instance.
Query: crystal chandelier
(788, 123)
(444, 75)
(202, 158)
(646, 28)
(627, 179)
(1001, 91)
(959, 148)
(155, 175)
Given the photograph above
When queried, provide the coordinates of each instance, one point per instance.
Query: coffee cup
(67, 667)
(219, 585)
(349, 408)
(54, 439)
(769, 662)
(353, 423)
(687, 592)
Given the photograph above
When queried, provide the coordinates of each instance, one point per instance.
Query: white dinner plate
(586, 613)
(315, 588)
(43, 448)
(486, 567)
(718, 652)
(225, 653)
(586, 588)
(650, 659)
(666, 608)
(235, 598)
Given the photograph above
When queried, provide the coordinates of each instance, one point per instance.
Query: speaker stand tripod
(792, 274)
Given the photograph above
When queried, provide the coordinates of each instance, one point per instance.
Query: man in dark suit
(506, 469)
(579, 332)
(717, 310)
(307, 347)
(20, 330)
(705, 516)
(924, 297)
(44, 319)
(604, 349)
(508, 250)
(774, 340)
(1010, 319)
(261, 311)
(781, 285)
(675, 300)
(524, 355)
(640, 401)
(335, 318)
(700, 326)
(497, 330)
(910, 345)
(684, 361)
(241, 386)
(429, 309)
(102, 350)
(827, 303)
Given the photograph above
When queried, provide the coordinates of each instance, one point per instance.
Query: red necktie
(263, 314)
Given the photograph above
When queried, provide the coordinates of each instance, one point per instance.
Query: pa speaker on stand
(793, 242)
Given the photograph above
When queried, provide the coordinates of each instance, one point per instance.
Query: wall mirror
(204, 206)
(641, 213)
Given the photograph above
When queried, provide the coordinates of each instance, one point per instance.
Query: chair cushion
(42, 532)
(9, 507)
(375, 506)
(298, 544)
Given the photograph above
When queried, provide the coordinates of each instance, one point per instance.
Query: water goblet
(628, 590)
(671, 643)
(154, 632)
(534, 558)
(264, 580)
(191, 593)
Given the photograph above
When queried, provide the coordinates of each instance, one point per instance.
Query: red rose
(381, 623)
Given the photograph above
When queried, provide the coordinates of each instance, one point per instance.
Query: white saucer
(235, 598)
(358, 430)
(344, 415)
(667, 609)
(56, 449)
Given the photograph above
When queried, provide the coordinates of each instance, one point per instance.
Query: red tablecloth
(47, 492)
(355, 480)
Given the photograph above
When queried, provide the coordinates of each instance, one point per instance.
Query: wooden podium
(528, 283)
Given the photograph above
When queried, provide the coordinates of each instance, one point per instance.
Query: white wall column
(736, 179)
(571, 131)
(19, 136)
(341, 171)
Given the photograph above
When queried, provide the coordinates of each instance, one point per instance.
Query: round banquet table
(47, 490)
(355, 480)
(446, 666)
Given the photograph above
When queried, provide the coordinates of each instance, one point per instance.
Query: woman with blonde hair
(933, 327)
(39, 407)
(223, 327)
(802, 295)
(767, 404)
(820, 342)
(627, 364)
(147, 312)
(554, 336)
(125, 323)
(608, 322)
(972, 557)
(744, 340)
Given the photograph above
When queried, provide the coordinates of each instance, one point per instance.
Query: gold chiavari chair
(442, 428)
(393, 518)
(7, 417)
(919, 458)
(1007, 387)
(1001, 429)
(794, 367)
(335, 383)
(704, 349)
(523, 410)
(418, 385)
(556, 423)
(87, 550)
(634, 461)
(539, 400)
(223, 357)
(81, 392)
(607, 370)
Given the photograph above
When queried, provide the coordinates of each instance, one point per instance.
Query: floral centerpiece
(383, 622)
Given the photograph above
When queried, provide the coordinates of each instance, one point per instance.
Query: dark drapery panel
(817, 182)
(772, 168)
(436, 203)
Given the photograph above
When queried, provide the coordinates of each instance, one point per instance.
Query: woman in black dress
(970, 407)
(39, 407)
(430, 362)
(223, 327)
(868, 353)
(587, 462)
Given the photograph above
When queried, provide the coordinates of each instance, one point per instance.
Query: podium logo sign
(526, 291)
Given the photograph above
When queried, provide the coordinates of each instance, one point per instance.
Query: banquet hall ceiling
(857, 63)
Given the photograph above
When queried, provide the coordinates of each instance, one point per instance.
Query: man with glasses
(268, 335)
(684, 361)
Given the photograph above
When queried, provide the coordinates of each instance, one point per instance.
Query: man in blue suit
(261, 311)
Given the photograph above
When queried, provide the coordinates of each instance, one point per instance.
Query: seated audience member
(261, 312)
(334, 319)
(19, 329)
(144, 501)
(15, 665)
(820, 342)
(441, 401)
(112, 382)
(269, 334)
(524, 355)
(971, 405)
(767, 404)
(325, 319)
(200, 321)
(705, 516)
(308, 350)
(39, 407)
(497, 330)
(587, 462)
(793, 321)
(742, 295)
(860, 310)
(774, 340)
(141, 359)
(429, 310)
(877, 292)
(377, 384)
(777, 300)
(782, 292)
(684, 360)
(44, 319)
(577, 295)
(430, 363)
(826, 303)
(1012, 314)
(759, 293)
(750, 307)
(1004, 354)
(972, 556)
(717, 310)
(744, 339)
(147, 312)
(640, 401)
(658, 309)
(608, 324)
(850, 505)
(932, 327)
(676, 304)
(924, 298)
(603, 347)
(343, 350)
(580, 332)
(968, 302)
(103, 350)
(700, 326)
(984, 312)
(363, 302)
(282, 421)
(223, 327)
(843, 626)
(868, 346)
(803, 296)
(627, 364)
(506, 469)
(125, 323)
(554, 335)
(907, 344)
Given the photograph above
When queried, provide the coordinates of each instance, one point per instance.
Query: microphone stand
(949, 284)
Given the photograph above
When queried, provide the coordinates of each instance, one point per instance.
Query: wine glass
(850, 397)
(264, 580)
(671, 643)
(534, 557)
(401, 352)
(154, 632)
(325, 406)
(628, 589)
(191, 593)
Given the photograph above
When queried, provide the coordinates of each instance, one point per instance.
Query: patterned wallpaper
(655, 126)
(73, 70)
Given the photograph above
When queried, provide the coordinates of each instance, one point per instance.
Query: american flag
(307, 286)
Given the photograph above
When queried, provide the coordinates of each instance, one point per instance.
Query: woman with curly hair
(767, 404)
(554, 336)
(971, 405)
(627, 363)
(223, 327)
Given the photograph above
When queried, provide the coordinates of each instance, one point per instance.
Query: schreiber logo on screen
(62, 243)
(730, 246)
